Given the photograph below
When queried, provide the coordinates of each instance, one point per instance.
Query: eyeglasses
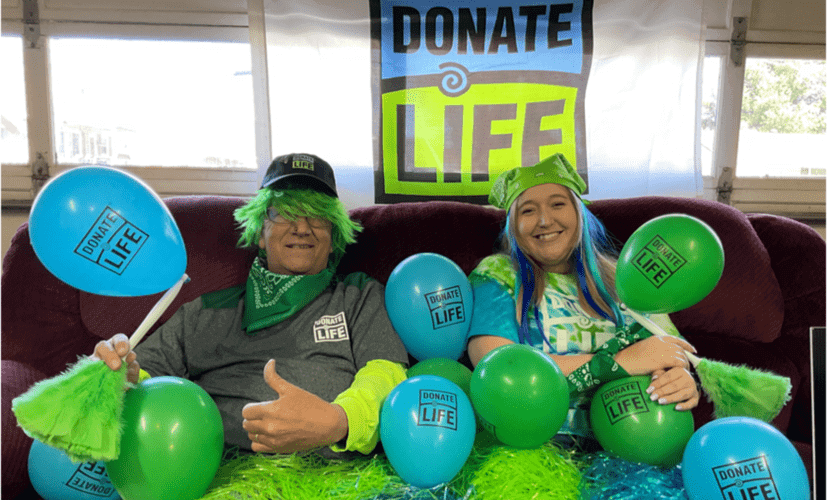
(315, 222)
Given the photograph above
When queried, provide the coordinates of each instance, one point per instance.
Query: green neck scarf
(272, 298)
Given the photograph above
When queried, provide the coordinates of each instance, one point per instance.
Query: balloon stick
(156, 312)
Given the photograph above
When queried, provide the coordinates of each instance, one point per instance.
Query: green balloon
(668, 264)
(520, 395)
(172, 442)
(446, 368)
(627, 423)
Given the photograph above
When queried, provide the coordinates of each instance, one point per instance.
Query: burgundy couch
(771, 292)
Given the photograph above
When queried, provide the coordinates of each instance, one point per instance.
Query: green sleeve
(362, 403)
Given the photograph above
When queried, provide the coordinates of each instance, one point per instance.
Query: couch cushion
(213, 262)
(463, 232)
(747, 302)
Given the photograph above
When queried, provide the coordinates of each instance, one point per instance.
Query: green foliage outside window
(784, 96)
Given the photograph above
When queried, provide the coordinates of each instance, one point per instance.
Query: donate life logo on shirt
(464, 92)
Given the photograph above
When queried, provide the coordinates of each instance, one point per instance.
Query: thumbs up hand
(296, 421)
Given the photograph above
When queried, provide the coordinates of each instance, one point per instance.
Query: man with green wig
(329, 352)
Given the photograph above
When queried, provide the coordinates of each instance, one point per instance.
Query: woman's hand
(297, 421)
(653, 354)
(676, 385)
(112, 351)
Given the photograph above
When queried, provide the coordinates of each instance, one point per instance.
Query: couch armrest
(41, 316)
(17, 378)
(797, 255)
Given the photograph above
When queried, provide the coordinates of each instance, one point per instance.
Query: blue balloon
(55, 477)
(427, 428)
(742, 458)
(104, 231)
(429, 301)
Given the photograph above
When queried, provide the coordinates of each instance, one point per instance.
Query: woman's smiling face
(547, 227)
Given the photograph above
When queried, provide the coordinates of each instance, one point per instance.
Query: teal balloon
(668, 264)
(743, 458)
(427, 429)
(429, 301)
(627, 423)
(447, 368)
(55, 477)
(520, 395)
(104, 231)
(172, 443)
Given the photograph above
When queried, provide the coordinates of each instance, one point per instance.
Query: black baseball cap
(300, 170)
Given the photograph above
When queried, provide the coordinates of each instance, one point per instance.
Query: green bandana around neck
(272, 298)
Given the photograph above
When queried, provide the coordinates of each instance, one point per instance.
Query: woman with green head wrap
(553, 287)
(297, 358)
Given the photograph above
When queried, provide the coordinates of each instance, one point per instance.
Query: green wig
(293, 203)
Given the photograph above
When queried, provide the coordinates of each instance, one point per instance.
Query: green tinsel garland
(492, 472)
(498, 472)
(306, 477)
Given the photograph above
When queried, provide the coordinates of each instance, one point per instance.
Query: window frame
(20, 181)
(802, 199)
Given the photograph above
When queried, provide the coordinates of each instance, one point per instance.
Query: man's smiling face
(296, 247)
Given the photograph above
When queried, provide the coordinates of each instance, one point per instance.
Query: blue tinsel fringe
(611, 478)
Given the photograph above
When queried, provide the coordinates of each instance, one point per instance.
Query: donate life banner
(464, 92)
(437, 103)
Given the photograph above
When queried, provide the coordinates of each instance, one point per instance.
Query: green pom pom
(743, 391)
(78, 411)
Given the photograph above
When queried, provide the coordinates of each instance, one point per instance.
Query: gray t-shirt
(320, 348)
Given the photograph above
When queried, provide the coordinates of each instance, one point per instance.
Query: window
(782, 131)
(763, 140)
(14, 135)
(96, 72)
(163, 103)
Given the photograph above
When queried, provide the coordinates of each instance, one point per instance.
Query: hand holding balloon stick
(671, 263)
(102, 231)
(79, 411)
(735, 391)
